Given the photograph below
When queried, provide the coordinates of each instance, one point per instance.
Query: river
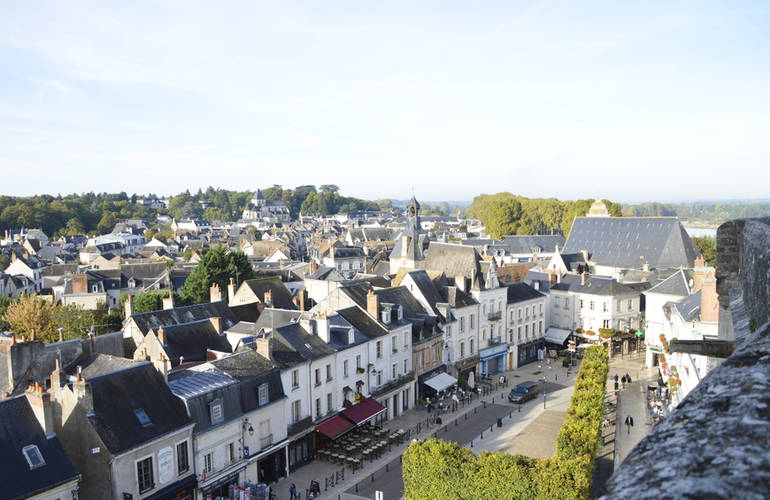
(699, 232)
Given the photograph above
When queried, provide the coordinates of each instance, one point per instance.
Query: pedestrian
(293, 492)
(616, 378)
(628, 378)
(623, 380)
(616, 386)
(629, 423)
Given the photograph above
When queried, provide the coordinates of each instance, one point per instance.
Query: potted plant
(360, 370)
(420, 404)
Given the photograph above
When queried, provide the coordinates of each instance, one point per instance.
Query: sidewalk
(633, 401)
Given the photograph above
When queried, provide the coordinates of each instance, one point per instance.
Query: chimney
(583, 278)
(373, 304)
(302, 299)
(84, 393)
(551, 278)
(557, 249)
(168, 302)
(709, 302)
(646, 267)
(585, 255)
(264, 344)
(56, 376)
(215, 293)
(40, 401)
(61, 334)
(161, 334)
(80, 283)
(216, 321)
(313, 266)
(231, 291)
(268, 298)
(460, 283)
(322, 326)
(13, 256)
(129, 306)
(700, 273)
(260, 307)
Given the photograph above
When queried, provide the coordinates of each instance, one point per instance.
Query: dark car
(523, 392)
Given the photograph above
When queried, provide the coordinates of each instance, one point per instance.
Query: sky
(629, 101)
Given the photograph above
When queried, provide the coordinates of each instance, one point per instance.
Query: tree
(106, 223)
(75, 321)
(503, 218)
(707, 246)
(4, 262)
(4, 303)
(329, 188)
(149, 301)
(254, 233)
(217, 265)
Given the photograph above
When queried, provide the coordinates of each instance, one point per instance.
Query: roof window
(33, 456)
(141, 415)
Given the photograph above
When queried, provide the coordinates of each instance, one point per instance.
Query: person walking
(616, 378)
(293, 492)
(629, 423)
(628, 378)
(623, 380)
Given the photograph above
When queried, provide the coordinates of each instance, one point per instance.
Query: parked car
(524, 392)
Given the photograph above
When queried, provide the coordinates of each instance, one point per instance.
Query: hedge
(436, 469)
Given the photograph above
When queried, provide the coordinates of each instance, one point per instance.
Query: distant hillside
(711, 213)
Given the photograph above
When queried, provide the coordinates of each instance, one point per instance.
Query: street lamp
(545, 379)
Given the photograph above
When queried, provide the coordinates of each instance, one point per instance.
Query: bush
(435, 469)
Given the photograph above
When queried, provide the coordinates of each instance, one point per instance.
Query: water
(699, 232)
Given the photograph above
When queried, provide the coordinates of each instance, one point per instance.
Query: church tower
(407, 252)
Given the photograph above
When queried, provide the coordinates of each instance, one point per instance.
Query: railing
(495, 316)
(300, 425)
(393, 384)
(266, 441)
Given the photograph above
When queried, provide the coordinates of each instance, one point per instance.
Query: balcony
(393, 384)
(300, 425)
(495, 316)
(265, 442)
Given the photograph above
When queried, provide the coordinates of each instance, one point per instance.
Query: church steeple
(413, 214)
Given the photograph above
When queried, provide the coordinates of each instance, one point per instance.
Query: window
(526, 331)
(215, 411)
(406, 341)
(296, 411)
(470, 347)
(520, 313)
(483, 334)
(144, 474)
(518, 335)
(394, 370)
(541, 305)
(379, 377)
(379, 349)
(462, 349)
(591, 305)
(33, 456)
(420, 360)
(317, 377)
(471, 318)
(556, 301)
(141, 415)
(437, 353)
(263, 395)
(345, 368)
(462, 324)
(448, 331)
(604, 307)
(295, 379)
(230, 452)
(208, 462)
(317, 407)
(406, 367)
(182, 458)
(328, 372)
(526, 312)
(630, 305)
(329, 403)
(511, 314)
(394, 344)
(566, 304)
(606, 323)
(510, 338)
(619, 304)
(358, 361)
(582, 306)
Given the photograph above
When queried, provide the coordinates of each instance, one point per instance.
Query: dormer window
(263, 395)
(216, 413)
(386, 317)
(400, 313)
(33, 456)
(141, 415)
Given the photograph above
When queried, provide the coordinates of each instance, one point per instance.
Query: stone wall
(714, 444)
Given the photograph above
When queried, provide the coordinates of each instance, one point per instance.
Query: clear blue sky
(628, 101)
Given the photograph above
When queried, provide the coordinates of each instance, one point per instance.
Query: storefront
(439, 383)
(467, 368)
(301, 451)
(221, 485)
(272, 467)
(493, 359)
(527, 352)
(184, 489)
(426, 376)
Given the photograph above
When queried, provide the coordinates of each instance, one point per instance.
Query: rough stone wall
(714, 445)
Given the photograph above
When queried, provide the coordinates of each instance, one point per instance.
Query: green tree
(503, 219)
(254, 233)
(75, 321)
(149, 301)
(106, 223)
(707, 246)
(217, 265)
(4, 262)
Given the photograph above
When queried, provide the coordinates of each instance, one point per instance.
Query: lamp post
(545, 379)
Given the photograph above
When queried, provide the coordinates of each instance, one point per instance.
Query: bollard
(519, 408)
(471, 443)
(387, 467)
(490, 428)
(455, 422)
(372, 477)
(400, 457)
(466, 416)
(482, 435)
(326, 484)
(356, 487)
(474, 411)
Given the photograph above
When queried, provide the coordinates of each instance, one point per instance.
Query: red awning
(334, 427)
(363, 411)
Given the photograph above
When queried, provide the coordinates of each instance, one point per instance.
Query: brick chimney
(303, 299)
(646, 267)
(80, 283)
(373, 304)
(700, 269)
(84, 393)
(313, 266)
(322, 326)
(264, 344)
(231, 291)
(551, 278)
(168, 302)
(129, 306)
(40, 401)
(709, 302)
(216, 321)
(268, 298)
(583, 278)
(585, 255)
(161, 334)
(215, 293)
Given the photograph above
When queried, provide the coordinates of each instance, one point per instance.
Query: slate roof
(427, 287)
(455, 260)
(292, 345)
(273, 318)
(676, 284)
(19, 428)
(179, 315)
(93, 365)
(529, 244)
(325, 273)
(629, 242)
(192, 340)
(519, 292)
(116, 395)
(594, 285)
(364, 323)
(281, 295)
(252, 370)
(689, 307)
(198, 389)
(451, 294)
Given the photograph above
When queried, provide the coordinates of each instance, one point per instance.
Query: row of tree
(326, 200)
(438, 469)
(507, 214)
(705, 213)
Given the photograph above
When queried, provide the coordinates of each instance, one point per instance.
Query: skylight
(33, 456)
(141, 415)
